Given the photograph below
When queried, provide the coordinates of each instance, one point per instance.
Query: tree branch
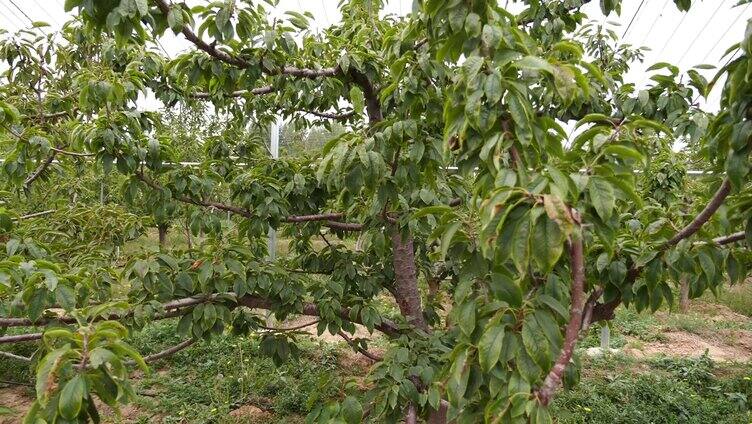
(328, 218)
(405, 289)
(294, 328)
(169, 351)
(14, 356)
(239, 93)
(239, 62)
(715, 202)
(411, 416)
(605, 311)
(69, 153)
(40, 169)
(553, 379)
(354, 345)
(20, 338)
(731, 238)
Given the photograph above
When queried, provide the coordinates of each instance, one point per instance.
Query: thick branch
(373, 105)
(169, 351)
(239, 62)
(40, 169)
(176, 308)
(256, 92)
(704, 216)
(20, 338)
(170, 311)
(293, 328)
(405, 290)
(411, 416)
(605, 311)
(14, 356)
(356, 346)
(572, 333)
(731, 238)
(328, 218)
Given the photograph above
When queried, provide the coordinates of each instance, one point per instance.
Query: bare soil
(724, 345)
(685, 344)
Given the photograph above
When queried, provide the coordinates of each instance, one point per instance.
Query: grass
(738, 298)
(205, 382)
(668, 391)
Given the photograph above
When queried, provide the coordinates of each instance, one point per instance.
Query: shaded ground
(226, 380)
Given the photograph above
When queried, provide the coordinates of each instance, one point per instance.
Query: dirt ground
(722, 344)
(19, 399)
(685, 344)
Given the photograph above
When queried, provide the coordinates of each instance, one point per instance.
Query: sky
(686, 39)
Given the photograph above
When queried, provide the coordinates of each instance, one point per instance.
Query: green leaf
(65, 297)
(489, 346)
(175, 19)
(522, 119)
(473, 24)
(521, 243)
(37, 304)
(623, 151)
(492, 87)
(47, 368)
(352, 410)
(71, 397)
(505, 289)
(357, 99)
(143, 7)
(466, 317)
(446, 238)
(70, 4)
(535, 63)
(555, 305)
(707, 265)
(594, 117)
(602, 196)
(547, 243)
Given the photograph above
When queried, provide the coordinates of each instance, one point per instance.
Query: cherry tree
(499, 235)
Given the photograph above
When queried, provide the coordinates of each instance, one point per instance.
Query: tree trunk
(188, 236)
(406, 291)
(438, 416)
(684, 295)
(162, 228)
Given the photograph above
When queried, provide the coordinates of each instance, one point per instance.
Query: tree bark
(572, 334)
(684, 295)
(188, 236)
(406, 291)
(162, 228)
(438, 416)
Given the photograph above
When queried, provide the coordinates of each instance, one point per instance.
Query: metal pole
(274, 149)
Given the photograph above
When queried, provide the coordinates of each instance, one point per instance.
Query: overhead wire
(17, 19)
(326, 15)
(31, 21)
(697, 37)
(673, 33)
(655, 21)
(47, 12)
(725, 33)
(631, 21)
(9, 21)
(21, 10)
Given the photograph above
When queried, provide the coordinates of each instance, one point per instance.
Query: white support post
(274, 149)
(605, 338)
